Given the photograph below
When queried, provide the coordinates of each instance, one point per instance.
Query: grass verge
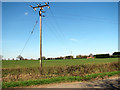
(57, 79)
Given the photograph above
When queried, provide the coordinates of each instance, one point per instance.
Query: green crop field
(54, 63)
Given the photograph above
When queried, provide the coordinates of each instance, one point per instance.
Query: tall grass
(32, 73)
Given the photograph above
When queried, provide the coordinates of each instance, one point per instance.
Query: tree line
(114, 55)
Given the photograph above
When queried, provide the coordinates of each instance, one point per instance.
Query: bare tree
(20, 57)
(91, 55)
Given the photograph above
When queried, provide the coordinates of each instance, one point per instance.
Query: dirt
(112, 82)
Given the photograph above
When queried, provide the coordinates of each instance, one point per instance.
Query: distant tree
(57, 58)
(61, 57)
(1, 57)
(91, 55)
(116, 53)
(31, 59)
(79, 56)
(49, 58)
(102, 56)
(85, 56)
(25, 59)
(4, 59)
(68, 57)
(20, 57)
(43, 58)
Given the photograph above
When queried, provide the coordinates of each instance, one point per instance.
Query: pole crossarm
(41, 6)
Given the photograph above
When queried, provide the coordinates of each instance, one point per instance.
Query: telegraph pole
(40, 14)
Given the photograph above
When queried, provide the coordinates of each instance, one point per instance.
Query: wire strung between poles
(29, 36)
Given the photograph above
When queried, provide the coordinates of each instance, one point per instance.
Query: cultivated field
(54, 63)
(15, 73)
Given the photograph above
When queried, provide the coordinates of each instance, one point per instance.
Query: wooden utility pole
(40, 38)
(40, 14)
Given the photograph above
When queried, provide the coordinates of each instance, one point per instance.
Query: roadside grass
(54, 63)
(58, 79)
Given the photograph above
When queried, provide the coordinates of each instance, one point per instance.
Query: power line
(54, 27)
(29, 36)
(59, 34)
(90, 19)
(51, 29)
(58, 28)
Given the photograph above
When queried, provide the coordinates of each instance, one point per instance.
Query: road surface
(113, 82)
